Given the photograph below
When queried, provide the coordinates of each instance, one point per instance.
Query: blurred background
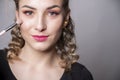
(97, 33)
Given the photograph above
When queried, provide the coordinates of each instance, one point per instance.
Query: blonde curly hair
(66, 44)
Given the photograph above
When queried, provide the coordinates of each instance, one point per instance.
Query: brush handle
(11, 26)
(7, 29)
(2, 32)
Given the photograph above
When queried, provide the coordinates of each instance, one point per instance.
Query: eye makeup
(53, 12)
(28, 12)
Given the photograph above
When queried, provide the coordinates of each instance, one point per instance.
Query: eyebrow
(54, 6)
(27, 6)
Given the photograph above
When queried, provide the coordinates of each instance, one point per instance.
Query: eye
(28, 13)
(53, 13)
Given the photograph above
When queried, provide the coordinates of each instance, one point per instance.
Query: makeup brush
(7, 29)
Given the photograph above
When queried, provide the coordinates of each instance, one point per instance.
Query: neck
(36, 57)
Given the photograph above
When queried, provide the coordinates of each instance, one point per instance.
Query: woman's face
(41, 23)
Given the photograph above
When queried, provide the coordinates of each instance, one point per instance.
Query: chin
(44, 48)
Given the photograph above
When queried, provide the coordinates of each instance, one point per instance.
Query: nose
(40, 23)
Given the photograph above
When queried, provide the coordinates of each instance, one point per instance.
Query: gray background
(97, 32)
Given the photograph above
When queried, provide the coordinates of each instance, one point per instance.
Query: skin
(39, 59)
(40, 21)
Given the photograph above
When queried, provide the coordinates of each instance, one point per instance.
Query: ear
(68, 16)
(66, 19)
(18, 20)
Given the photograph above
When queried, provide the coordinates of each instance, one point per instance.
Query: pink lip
(40, 38)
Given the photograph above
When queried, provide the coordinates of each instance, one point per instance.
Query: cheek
(26, 25)
(55, 25)
(26, 22)
(55, 29)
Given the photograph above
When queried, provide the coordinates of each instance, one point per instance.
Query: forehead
(40, 3)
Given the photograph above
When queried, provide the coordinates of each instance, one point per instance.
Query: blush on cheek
(26, 24)
(24, 27)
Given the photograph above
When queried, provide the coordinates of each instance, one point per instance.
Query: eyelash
(50, 13)
(28, 12)
(53, 13)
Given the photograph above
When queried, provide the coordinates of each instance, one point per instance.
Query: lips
(41, 38)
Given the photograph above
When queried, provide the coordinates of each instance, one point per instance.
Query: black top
(78, 71)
